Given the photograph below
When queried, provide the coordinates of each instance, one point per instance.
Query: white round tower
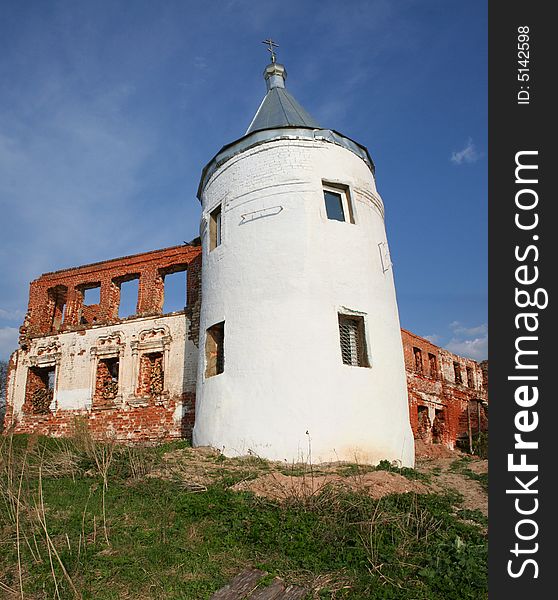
(300, 345)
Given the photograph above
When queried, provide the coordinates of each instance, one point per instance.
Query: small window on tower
(215, 350)
(338, 203)
(353, 341)
(215, 228)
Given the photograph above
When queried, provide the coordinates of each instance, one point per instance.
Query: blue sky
(109, 111)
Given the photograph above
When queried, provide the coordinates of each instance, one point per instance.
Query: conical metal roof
(280, 116)
(279, 108)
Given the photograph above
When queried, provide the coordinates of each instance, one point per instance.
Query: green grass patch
(142, 537)
(461, 466)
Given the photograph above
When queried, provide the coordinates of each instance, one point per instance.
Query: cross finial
(271, 45)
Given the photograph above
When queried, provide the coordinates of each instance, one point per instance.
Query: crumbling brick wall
(448, 396)
(131, 378)
(56, 300)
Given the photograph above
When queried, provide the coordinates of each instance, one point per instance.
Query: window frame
(361, 342)
(214, 344)
(215, 227)
(344, 192)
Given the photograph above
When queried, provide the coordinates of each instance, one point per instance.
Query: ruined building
(132, 377)
(284, 347)
(448, 394)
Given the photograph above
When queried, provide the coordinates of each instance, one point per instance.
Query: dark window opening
(433, 366)
(470, 378)
(334, 206)
(215, 228)
(338, 203)
(424, 427)
(422, 413)
(106, 381)
(353, 341)
(40, 389)
(57, 297)
(215, 350)
(438, 426)
(417, 353)
(457, 372)
(175, 291)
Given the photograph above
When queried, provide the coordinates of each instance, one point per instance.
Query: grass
(355, 470)
(85, 530)
(461, 466)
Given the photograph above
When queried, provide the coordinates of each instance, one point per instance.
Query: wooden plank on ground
(240, 587)
(294, 592)
(274, 591)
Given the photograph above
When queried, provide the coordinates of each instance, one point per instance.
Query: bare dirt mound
(282, 487)
(445, 476)
(423, 450)
(439, 470)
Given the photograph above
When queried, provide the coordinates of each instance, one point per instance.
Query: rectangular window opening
(106, 381)
(92, 294)
(353, 341)
(40, 389)
(215, 350)
(457, 372)
(433, 366)
(338, 203)
(438, 426)
(152, 376)
(58, 296)
(417, 353)
(129, 290)
(215, 228)
(424, 425)
(175, 292)
(470, 378)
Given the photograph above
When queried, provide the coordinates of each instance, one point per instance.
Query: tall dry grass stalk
(101, 452)
(25, 508)
(17, 520)
(52, 551)
(414, 525)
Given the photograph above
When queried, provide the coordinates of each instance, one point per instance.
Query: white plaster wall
(278, 280)
(75, 376)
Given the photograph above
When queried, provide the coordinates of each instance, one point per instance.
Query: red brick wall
(152, 423)
(48, 291)
(56, 304)
(439, 392)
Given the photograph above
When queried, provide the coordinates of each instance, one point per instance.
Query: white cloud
(471, 342)
(477, 348)
(469, 154)
(434, 338)
(8, 341)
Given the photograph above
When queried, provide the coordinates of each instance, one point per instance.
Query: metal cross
(271, 45)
